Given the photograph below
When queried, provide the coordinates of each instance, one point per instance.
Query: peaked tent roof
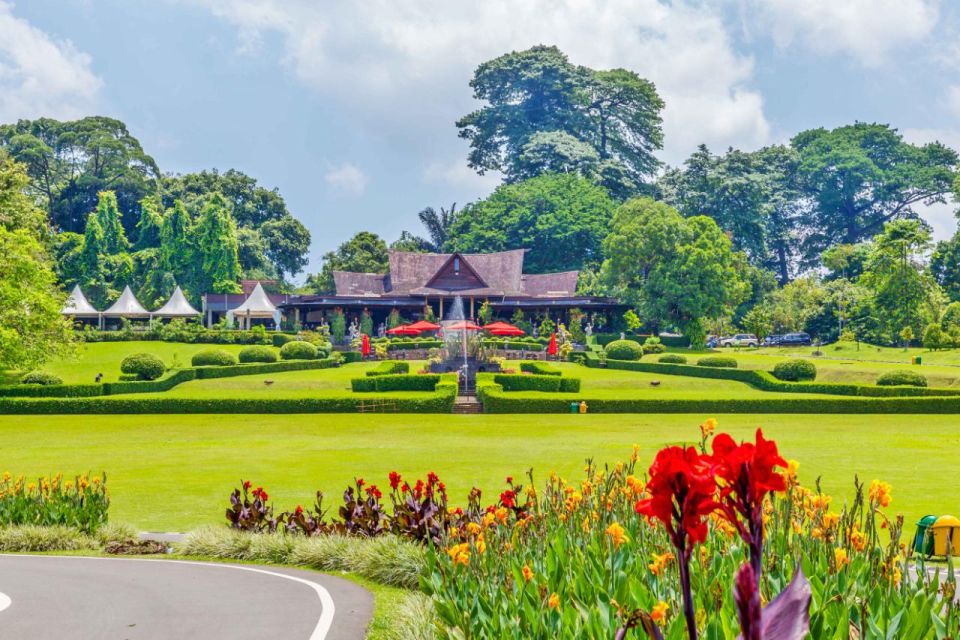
(257, 304)
(126, 306)
(78, 305)
(176, 306)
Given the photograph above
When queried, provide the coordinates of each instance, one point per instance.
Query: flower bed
(80, 503)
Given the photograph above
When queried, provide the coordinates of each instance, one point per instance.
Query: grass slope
(175, 472)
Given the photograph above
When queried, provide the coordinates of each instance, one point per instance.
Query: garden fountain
(461, 348)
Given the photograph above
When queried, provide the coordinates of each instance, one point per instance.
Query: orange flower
(840, 556)
(460, 553)
(618, 535)
(554, 601)
(527, 573)
(880, 493)
(708, 427)
(660, 610)
(659, 562)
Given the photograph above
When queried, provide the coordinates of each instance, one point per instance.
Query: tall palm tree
(438, 225)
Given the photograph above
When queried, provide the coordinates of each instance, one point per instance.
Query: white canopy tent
(257, 305)
(126, 306)
(176, 307)
(78, 306)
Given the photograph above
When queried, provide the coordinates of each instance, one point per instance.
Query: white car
(741, 340)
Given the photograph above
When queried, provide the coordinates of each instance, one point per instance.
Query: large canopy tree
(678, 271)
(861, 176)
(365, 252)
(32, 330)
(538, 91)
(561, 219)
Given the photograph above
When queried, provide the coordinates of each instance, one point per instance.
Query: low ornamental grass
(611, 556)
(79, 504)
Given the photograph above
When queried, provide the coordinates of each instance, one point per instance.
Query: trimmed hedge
(397, 382)
(145, 366)
(902, 378)
(678, 342)
(795, 371)
(352, 356)
(280, 339)
(298, 350)
(672, 358)
(624, 350)
(213, 358)
(540, 368)
(257, 354)
(724, 362)
(41, 378)
(388, 367)
(765, 381)
(528, 382)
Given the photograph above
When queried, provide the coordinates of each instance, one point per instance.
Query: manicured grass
(175, 472)
(105, 358)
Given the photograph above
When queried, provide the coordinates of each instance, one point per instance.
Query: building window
(456, 265)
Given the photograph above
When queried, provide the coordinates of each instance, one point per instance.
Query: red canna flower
(299, 509)
(681, 481)
(509, 479)
(508, 499)
(432, 478)
(405, 488)
(246, 485)
(373, 491)
(747, 469)
(361, 482)
(394, 480)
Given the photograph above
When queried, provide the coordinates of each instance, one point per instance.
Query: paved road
(57, 597)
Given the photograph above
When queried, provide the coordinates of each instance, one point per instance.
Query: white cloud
(456, 173)
(406, 65)
(939, 216)
(346, 178)
(41, 76)
(868, 30)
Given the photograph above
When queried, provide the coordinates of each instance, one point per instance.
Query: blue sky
(348, 107)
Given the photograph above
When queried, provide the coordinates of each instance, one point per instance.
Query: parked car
(741, 340)
(773, 341)
(799, 339)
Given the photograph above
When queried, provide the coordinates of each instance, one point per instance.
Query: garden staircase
(467, 404)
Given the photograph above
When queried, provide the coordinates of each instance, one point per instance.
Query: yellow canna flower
(617, 534)
(554, 601)
(659, 612)
(527, 573)
(840, 556)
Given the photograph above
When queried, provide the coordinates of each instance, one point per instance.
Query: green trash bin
(918, 360)
(923, 540)
(574, 407)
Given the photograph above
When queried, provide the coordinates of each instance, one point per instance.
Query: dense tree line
(118, 221)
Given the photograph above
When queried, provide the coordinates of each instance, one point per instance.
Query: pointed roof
(177, 306)
(257, 303)
(126, 306)
(78, 305)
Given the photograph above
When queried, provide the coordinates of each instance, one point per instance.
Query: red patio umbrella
(423, 325)
(493, 327)
(515, 331)
(365, 345)
(552, 346)
(463, 325)
(403, 330)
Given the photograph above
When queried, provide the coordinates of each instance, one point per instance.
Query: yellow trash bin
(946, 531)
(583, 409)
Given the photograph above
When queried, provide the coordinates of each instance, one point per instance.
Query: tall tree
(861, 176)
(615, 112)
(561, 219)
(438, 225)
(365, 252)
(177, 247)
(945, 266)
(32, 330)
(148, 227)
(109, 218)
(216, 246)
(678, 271)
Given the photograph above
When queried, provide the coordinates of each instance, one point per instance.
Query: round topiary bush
(653, 345)
(145, 366)
(672, 358)
(41, 377)
(624, 350)
(280, 339)
(902, 378)
(323, 351)
(213, 358)
(298, 350)
(795, 371)
(258, 354)
(724, 362)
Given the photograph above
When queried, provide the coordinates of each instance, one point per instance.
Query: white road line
(327, 608)
(5, 601)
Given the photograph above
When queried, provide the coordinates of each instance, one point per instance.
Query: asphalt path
(58, 597)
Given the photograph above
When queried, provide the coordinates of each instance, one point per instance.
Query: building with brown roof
(416, 280)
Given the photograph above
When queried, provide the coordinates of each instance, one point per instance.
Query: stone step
(467, 405)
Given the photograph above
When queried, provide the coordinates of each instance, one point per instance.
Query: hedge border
(401, 382)
(765, 381)
(388, 367)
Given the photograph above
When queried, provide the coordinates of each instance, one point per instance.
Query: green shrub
(725, 362)
(280, 339)
(388, 367)
(145, 366)
(672, 358)
(298, 350)
(569, 385)
(795, 371)
(213, 358)
(258, 354)
(41, 378)
(902, 378)
(934, 338)
(32, 538)
(653, 345)
(624, 350)
(540, 368)
(398, 382)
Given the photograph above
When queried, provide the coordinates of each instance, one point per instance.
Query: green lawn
(105, 358)
(175, 472)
